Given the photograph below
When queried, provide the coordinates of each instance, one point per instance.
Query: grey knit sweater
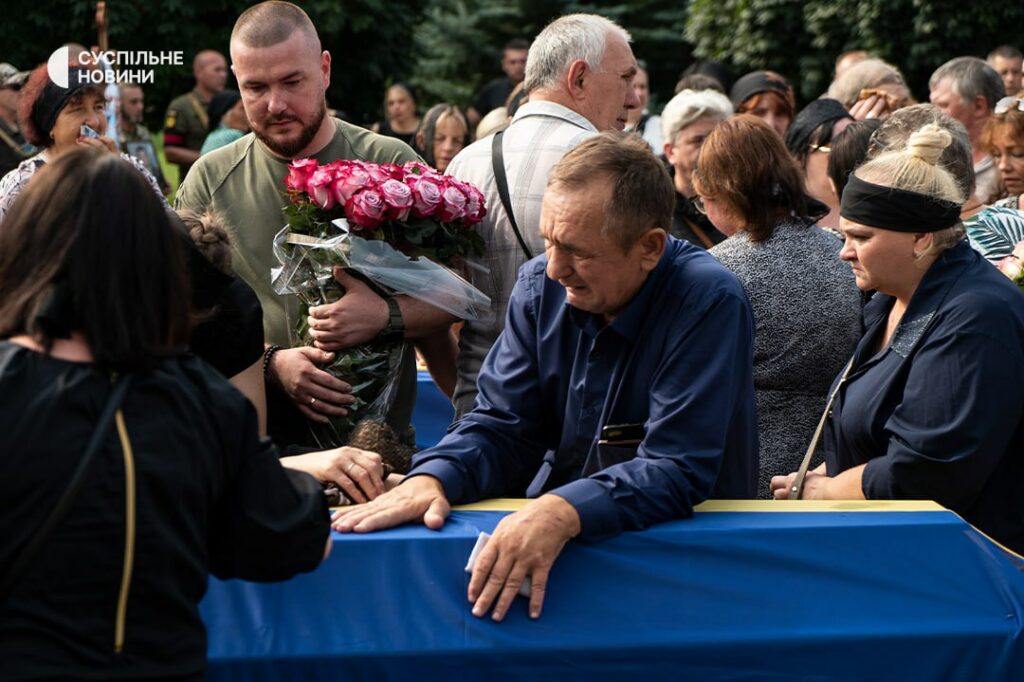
(807, 311)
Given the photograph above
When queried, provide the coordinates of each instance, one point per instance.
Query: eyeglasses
(824, 148)
(1006, 103)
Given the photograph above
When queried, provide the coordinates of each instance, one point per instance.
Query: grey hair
(690, 106)
(868, 73)
(563, 41)
(970, 77)
(896, 130)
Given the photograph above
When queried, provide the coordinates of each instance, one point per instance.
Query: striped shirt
(538, 137)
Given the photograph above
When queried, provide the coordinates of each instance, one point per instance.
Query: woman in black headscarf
(809, 140)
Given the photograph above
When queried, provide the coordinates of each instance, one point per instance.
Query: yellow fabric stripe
(510, 504)
(129, 531)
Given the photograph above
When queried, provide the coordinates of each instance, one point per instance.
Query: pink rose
(318, 187)
(453, 206)
(475, 209)
(426, 195)
(379, 172)
(366, 208)
(299, 172)
(419, 168)
(348, 181)
(1010, 266)
(1018, 251)
(398, 197)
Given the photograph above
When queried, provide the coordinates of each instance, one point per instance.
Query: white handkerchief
(481, 542)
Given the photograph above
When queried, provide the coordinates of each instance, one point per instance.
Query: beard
(289, 148)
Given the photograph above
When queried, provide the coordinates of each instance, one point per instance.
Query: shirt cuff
(876, 480)
(443, 471)
(599, 514)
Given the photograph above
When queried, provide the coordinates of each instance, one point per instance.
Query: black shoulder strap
(42, 535)
(498, 161)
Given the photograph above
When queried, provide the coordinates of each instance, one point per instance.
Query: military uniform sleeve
(175, 124)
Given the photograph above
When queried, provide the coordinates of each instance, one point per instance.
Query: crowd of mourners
(732, 297)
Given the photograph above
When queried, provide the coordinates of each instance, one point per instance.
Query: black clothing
(210, 497)
(232, 339)
(493, 95)
(384, 128)
(13, 148)
(686, 216)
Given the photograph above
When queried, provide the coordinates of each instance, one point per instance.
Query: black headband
(53, 98)
(894, 209)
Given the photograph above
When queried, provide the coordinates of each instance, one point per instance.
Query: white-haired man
(967, 89)
(686, 121)
(579, 76)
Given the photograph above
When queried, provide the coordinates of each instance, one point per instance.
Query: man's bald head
(273, 22)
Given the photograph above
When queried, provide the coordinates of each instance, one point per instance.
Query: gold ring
(349, 467)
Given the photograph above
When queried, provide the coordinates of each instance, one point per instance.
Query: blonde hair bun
(928, 143)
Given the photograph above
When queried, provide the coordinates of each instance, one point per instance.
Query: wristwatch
(394, 330)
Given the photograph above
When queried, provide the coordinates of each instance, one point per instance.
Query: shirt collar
(553, 110)
(628, 323)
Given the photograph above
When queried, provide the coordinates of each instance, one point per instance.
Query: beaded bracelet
(267, 354)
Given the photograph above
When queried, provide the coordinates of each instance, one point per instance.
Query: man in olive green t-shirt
(283, 75)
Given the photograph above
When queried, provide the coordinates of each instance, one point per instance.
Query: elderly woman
(131, 469)
(809, 140)
(766, 95)
(686, 121)
(806, 306)
(443, 133)
(57, 120)
(930, 406)
(1003, 138)
(870, 88)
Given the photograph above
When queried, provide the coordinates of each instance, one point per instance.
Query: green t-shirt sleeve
(194, 192)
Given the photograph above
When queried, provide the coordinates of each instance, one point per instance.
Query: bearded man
(283, 74)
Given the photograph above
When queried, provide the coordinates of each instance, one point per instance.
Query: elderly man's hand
(355, 318)
(525, 543)
(418, 498)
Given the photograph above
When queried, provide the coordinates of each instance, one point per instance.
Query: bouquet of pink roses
(396, 228)
(1013, 265)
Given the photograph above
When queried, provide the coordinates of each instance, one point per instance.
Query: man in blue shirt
(619, 394)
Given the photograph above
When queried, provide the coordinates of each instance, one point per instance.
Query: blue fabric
(939, 413)
(432, 413)
(722, 596)
(677, 360)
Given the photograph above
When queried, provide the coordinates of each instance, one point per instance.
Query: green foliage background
(451, 47)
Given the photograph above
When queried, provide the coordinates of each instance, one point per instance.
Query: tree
(802, 38)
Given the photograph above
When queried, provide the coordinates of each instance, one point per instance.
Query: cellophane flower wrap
(396, 228)
(1013, 265)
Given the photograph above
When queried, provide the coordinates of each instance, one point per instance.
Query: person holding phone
(58, 120)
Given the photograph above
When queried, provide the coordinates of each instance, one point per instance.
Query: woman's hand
(102, 143)
(359, 473)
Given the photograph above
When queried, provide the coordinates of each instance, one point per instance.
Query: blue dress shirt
(676, 362)
(938, 414)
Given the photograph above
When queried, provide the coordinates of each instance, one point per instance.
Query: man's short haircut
(642, 196)
(700, 81)
(270, 23)
(970, 77)
(516, 44)
(1006, 52)
(202, 56)
(563, 41)
(896, 130)
(690, 106)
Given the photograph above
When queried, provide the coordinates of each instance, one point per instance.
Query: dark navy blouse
(938, 414)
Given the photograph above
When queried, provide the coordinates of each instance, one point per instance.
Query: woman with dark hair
(766, 95)
(107, 416)
(59, 119)
(848, 150)
(400, 119)
(806, 305)
(809, 140)
(929, 406)
(443, 133)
